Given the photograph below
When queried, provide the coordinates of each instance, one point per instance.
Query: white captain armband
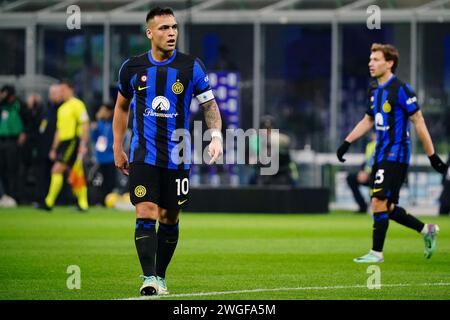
(205, 96)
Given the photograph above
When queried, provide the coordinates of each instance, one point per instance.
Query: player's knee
(147, 210)
(379, 205)
(168, 216)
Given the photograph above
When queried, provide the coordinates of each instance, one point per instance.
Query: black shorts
(387, 179)
(67, 151)
(167, 188)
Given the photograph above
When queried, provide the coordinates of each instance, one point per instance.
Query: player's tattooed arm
(214, 122)
(212, 115)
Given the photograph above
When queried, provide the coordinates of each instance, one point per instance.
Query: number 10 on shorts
(182, 186)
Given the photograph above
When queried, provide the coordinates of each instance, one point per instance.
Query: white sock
(377, 253)
(425, 229)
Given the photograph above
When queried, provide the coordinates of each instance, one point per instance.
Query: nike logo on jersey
(181, 202)
(142, 88)
(377, 190)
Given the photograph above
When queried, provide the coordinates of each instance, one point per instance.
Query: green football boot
(162, 287)
(150, 286)
(369, 258)
(430, 240)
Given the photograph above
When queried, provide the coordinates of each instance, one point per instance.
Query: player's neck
(161, 56)
(384, 78)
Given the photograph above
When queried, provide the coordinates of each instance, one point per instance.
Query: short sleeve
(83, 116)
(202, 89)
(408, 100)
(370, 100)
(125, 81)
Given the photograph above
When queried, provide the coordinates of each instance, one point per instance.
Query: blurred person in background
(32, 116)
(102, 138)
(47, 129)
(12, 136)
(5, 200)
(287, 173)
(69, 142)
(362, 177)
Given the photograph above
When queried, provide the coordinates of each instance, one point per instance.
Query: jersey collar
(384, 85)
(161, 63)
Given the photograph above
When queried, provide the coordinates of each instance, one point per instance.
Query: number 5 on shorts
(379, 176)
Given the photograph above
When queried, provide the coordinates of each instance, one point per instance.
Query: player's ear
(148, 33)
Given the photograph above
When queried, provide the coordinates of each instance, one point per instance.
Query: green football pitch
(219, 256)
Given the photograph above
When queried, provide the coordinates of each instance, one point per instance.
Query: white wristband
(216, 134)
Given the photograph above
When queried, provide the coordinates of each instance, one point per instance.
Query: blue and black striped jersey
(161, 94)
(391, 105)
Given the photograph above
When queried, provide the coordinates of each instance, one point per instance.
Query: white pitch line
(217, 293)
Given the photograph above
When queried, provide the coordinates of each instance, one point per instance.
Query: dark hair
(9, 89)
(67, 83)
(158, 11)
(107, 105)
(389, 51)
(267, 122)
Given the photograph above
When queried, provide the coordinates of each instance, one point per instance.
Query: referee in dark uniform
(161, 84)
(390, 107)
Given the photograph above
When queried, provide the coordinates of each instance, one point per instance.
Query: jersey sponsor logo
(411, 100)
(177, 87)
(142, 88)
(160, 103)
(144, 78)
(140, 191)
(387, 107)
(151, 113)
(379, 122)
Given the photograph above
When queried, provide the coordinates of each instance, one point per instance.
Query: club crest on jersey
(177, 87)
(160, 103)
(387, 107)
(144, 78)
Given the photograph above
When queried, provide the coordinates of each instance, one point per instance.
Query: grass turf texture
(216, 253)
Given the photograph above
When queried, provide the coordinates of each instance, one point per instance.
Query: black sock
(380, 226)
(167, 242)
(399, 215)
(146, 243)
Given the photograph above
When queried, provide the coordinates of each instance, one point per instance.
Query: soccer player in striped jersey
(391, 106)
(160, 84)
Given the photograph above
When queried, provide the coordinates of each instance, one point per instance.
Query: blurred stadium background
(304, 62)
(301, 62)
